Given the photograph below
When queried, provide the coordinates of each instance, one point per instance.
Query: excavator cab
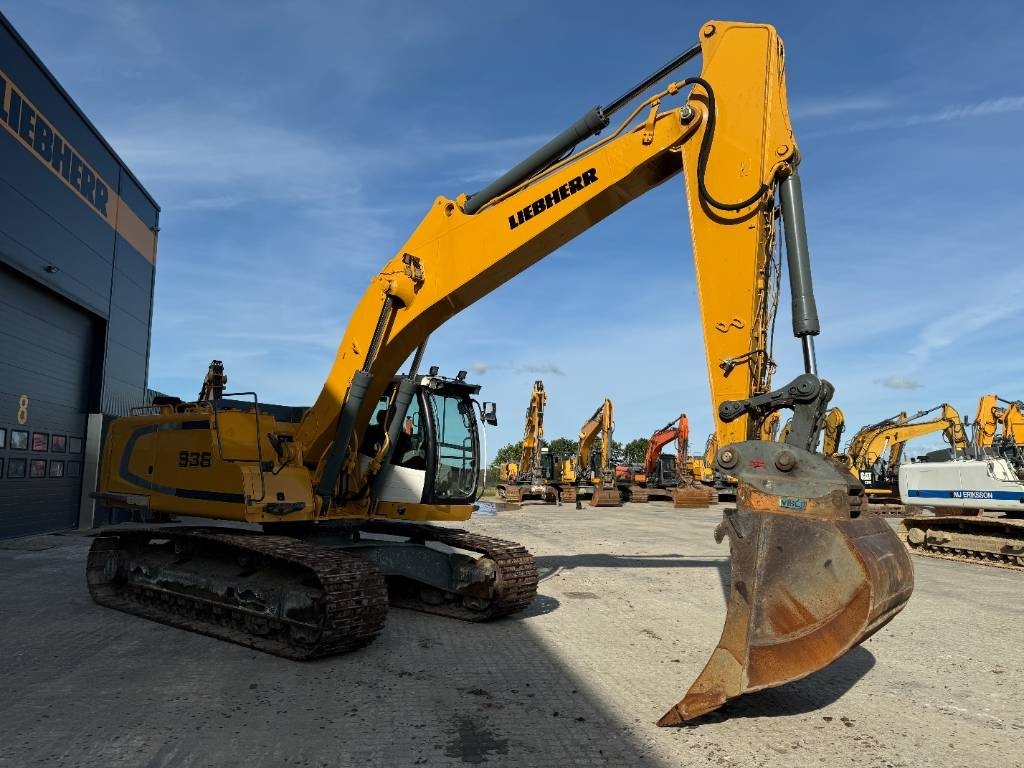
(436, 456)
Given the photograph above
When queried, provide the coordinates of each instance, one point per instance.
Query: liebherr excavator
(525, 479)
(813, 573)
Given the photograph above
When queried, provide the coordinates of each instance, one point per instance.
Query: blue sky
(294, 146)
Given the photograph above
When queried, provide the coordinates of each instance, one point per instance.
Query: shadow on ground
(549, 565)
(89, 686)
(813, 692)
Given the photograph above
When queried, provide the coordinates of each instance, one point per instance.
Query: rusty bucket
(813, 574)
(606, 496)
(693, 496)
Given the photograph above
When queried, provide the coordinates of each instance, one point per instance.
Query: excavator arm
(987, 420)
(589, 433)
(1013, 423)
(662, 437)
(734, 149)
(812, 575)
(868, 443)
(533, 433)
(948, 423)
(835, 423)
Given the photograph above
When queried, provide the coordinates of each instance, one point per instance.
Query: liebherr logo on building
(553, 198)
(24, 122)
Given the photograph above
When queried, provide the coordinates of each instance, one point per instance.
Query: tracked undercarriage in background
(977, 508)
(997, 541)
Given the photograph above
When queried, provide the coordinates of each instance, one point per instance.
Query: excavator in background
(659, 474)
(346, 519)
(975, 497)
(214, 384)
(998, 429)
(835, 424)
(668, 476)
(526, 479)
(723, 483)
(584, 473)
(866, 454)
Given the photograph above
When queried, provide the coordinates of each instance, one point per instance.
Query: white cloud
(899, 382)
(825, 108)
(540, 368)
(1000, 105)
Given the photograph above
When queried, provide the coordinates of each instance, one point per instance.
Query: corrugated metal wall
(77, 287)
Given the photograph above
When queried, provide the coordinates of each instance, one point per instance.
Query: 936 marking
(188, 459)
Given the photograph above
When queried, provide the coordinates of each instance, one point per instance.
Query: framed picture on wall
(74, 445)
(3, 437)
(56, 468)
(16, 468)
(37, 468)
(58, 443)
(40, 442)
(19, 440)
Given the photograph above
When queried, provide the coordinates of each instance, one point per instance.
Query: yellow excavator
(526, 478)
(835, 424)
(866, 455)
(346, 519)
(581, 477)
(999, 428)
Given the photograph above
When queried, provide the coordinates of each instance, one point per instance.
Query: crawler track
(993, 541)
(515, 583)
(272, 593)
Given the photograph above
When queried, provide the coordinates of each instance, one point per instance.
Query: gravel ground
(630, 606)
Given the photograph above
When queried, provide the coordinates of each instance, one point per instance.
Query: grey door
(46, 353)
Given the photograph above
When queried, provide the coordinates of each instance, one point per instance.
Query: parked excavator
(998, 429)
(673, 477)
(589, 476)
(835, 424)
(659, 475)
(214, 384)
(975, 497)
(868, 459)
(813, 573)
(526, 479)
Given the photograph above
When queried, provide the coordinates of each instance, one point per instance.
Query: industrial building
(78, 239)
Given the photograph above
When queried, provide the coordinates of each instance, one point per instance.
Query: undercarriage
(315, 592)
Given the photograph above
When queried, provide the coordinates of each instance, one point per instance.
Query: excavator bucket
(693, 497)
(606, 496)
(813, 574)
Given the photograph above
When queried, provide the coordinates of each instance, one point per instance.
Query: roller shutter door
(46, 352)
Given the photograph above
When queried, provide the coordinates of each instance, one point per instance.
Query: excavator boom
(813, 572)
